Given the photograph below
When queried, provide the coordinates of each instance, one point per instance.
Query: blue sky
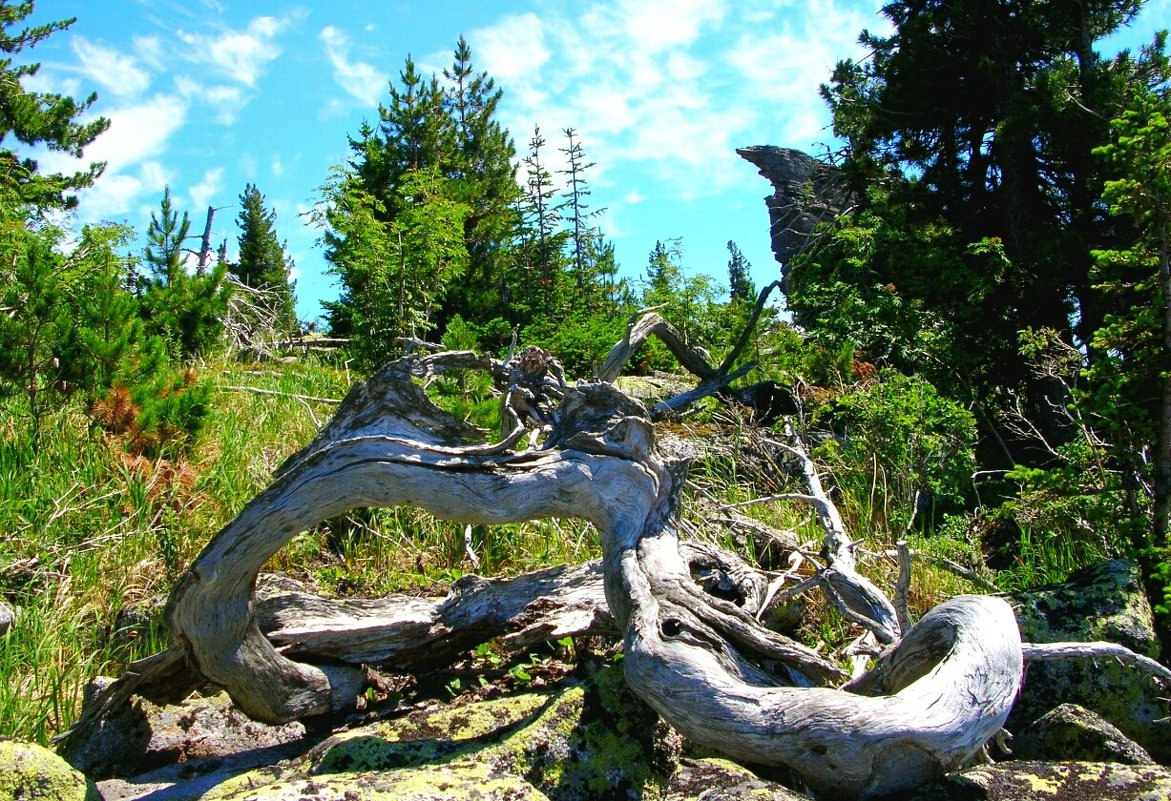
(208, 95)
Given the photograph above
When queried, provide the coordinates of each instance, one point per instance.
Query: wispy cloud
(660, 25)
(116, 72)
(225, 101)
(240, 55)
(358, 79)
(672, 87)
(205, 192)
(515, 47)
(138, 137)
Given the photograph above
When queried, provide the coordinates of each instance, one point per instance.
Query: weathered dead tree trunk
(703, 663)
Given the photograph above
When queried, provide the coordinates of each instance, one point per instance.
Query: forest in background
(979, 339)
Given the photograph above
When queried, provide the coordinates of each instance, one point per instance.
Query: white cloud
(359, 79)
(669, 88)
(139, 132)
(225, 101)
(512, 50)
(150, 50)
(117, 72)
(240, 55)
(204, 193)
(124, 194)
(137, 137)
(664, 24)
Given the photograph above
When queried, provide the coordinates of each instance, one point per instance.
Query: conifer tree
(545, 243)
(187, 310)
(740, 285)
(37, 326)
(262, 259)
(483, 179)
(577, 214)
(36, 118)
(449, 132)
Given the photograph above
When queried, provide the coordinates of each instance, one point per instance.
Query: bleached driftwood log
(703, 663)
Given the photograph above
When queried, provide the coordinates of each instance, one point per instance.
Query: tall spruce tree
(447, 131)
(577, 214)
(740, 286)
(483, 178)
(1130, 389)
(262, 260)
(544, 241)
(38, 328)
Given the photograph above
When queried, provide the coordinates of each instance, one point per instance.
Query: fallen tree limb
(415, 634)
(275, 394)
(1052, 651)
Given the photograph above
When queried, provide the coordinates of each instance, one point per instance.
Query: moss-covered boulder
(719, 779)
(1071, 732)
(1060, 781)
(29, 772)
(583, 739)
(1105, 602)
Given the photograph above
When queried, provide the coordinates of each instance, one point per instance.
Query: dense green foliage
(185, 308)
(1005, 244)
(36, 118)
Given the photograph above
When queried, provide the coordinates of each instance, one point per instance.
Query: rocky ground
(1085, 729)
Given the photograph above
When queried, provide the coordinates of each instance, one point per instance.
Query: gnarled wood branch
(703, 663)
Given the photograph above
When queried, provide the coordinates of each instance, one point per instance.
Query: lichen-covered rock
(144, 736)
(591, 739)
(720, 780)
(1061, 781)
(29, 772)
(1071, 732)
(1105, 602)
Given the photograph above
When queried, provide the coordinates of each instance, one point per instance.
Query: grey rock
(1105, 602)
(1073, 781)
(6, 618)
(806, 192)
(145, 736)
(1073, 732)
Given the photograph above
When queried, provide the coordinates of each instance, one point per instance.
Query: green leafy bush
(897, 441)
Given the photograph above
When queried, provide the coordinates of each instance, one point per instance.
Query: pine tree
(740, 285)
(968, 133)
(577, 215)
(482, 177)
(1131, 382)
(263, 262)
(545, 243)
(451, 129)
(35, 118)
(188, 310)
(37, 328)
